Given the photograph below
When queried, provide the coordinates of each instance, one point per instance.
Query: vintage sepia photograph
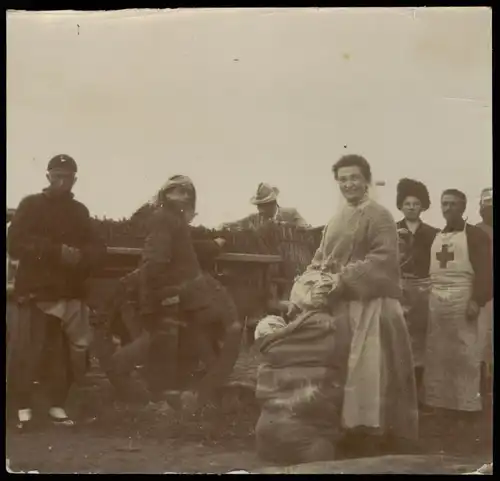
(249, 241)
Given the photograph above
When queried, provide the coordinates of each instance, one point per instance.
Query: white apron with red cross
(452, 354)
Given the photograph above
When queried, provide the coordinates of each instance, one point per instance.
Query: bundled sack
(311, 290)
(268, 325)
(300, 385)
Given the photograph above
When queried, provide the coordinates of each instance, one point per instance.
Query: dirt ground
(113, 437)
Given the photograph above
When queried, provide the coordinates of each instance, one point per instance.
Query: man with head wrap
(461, 284)
(185, 311)
(486, 315)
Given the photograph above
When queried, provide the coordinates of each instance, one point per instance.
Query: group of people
(408, 299)
(190, 324)
(418, 304)
(447, 280)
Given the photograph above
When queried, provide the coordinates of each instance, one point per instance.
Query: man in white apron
(460, 272)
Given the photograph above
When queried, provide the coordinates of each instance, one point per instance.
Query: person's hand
(403, 231)
(292, 311)
(70, 255)
(472, 310)
(220, 241)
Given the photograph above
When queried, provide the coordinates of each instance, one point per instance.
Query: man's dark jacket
(41, 225)
(169, 264)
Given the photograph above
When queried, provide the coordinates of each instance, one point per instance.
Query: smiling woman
(354, 176)
(359, 244)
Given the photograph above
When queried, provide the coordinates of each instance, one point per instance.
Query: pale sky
(233, 97)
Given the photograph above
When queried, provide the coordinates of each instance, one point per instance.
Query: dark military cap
(63, 162)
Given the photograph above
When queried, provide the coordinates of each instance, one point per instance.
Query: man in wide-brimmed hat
(266, 200)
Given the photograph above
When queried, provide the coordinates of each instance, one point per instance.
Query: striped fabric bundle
(300, 385)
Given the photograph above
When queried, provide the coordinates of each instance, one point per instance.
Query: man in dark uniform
(52, 237)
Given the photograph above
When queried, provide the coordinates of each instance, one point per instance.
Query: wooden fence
(243, 276)
(294, 245)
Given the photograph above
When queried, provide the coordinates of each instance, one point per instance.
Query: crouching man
(52, 237)
(189, 317)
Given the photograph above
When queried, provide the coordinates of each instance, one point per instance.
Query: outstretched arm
(207, 251)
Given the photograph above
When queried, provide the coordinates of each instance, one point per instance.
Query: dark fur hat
(412, 188)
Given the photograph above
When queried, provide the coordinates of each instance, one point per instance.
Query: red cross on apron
(444, 256)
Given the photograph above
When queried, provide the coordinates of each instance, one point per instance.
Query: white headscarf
(183, 180)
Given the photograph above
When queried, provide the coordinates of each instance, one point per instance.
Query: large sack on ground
(300, 385)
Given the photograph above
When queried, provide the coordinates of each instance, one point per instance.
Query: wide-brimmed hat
(265, 193)
(486, 197)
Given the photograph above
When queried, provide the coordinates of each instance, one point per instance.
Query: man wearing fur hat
(486, 316)
(268, 211)
(461, 284)
(416, 239)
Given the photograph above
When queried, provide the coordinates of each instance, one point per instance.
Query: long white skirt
(380, 391)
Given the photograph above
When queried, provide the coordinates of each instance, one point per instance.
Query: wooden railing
(230, 267)
(260, 264)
